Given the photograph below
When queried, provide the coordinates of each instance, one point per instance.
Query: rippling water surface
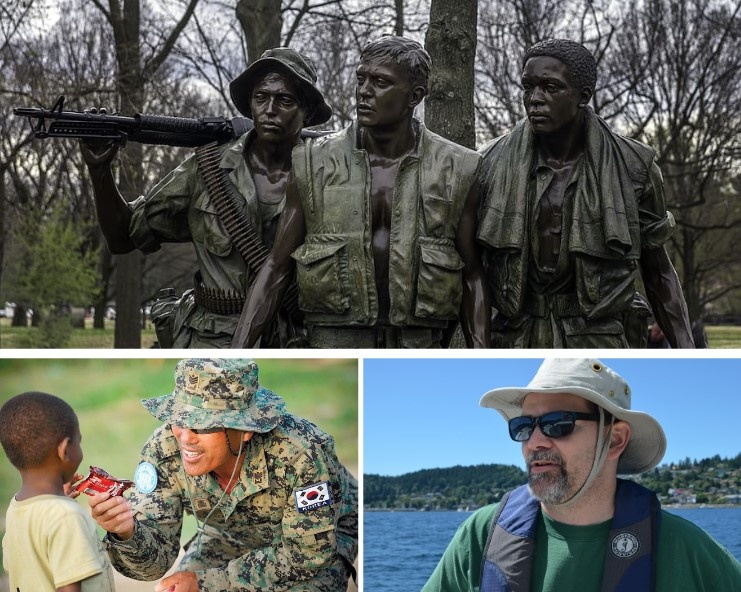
(402, 548)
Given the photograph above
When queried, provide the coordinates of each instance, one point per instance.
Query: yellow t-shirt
(50, 542)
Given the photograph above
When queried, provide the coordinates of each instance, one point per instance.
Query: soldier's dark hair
(32, 424)
(578, 59)
(407, 53)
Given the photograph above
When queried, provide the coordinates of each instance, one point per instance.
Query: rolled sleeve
(161, 216)
(657, 223)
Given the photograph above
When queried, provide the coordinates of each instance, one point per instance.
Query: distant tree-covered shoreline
(713, 480)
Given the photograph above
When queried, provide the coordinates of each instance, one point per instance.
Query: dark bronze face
(276, 110)
(550, 100)
(382, 94)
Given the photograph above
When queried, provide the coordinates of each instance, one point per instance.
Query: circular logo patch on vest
(145, 477)
(625, 545)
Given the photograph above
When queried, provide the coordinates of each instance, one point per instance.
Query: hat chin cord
(600, 456)
(201, 527)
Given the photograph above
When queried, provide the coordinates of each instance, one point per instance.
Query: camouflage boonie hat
(218, 394)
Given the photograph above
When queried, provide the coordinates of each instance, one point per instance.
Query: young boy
(50, 542)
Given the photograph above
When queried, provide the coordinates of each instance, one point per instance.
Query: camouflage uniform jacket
(335, 268)
(255, 538)
(179, 210)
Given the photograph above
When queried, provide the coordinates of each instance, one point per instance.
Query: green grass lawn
(719, 337)
(105, 394)
(723, 336)
(87, 338)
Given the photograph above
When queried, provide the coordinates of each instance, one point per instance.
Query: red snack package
(98, 480)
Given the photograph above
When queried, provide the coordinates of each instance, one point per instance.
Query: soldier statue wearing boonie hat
(573, 527)
(297, 67)
(279, 91)
(286, 515)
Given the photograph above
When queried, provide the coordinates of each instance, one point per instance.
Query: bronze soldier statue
(571, 213)
(279, 92)
(379, 223)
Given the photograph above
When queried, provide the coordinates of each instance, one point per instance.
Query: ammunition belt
(222, 194)
(218, 301)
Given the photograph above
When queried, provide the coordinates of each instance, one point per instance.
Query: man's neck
(564, 146)
(389, 142)
(228, 476)
(597, 505)
(271, 155)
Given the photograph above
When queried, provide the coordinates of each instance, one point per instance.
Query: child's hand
(68, 487)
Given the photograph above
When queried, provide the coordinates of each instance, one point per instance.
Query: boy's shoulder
(50, 507)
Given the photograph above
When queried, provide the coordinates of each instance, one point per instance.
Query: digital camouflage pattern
(218, 393)
(255, 538)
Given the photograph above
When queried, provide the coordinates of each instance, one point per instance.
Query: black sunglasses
(555, 424)
(204, 431)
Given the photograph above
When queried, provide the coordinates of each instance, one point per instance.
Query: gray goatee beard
(547, 488)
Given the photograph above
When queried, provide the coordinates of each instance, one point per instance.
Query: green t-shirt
(689, 559)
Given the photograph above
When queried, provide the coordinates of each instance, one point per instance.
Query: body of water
(400, 549)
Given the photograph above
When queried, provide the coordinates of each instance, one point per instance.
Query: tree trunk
(451, 43)
(126, 28)
(399, 24)
(125, 20)
(261, 21)
(20, 319)
(105, 265)
(3, 221)
(689, 269)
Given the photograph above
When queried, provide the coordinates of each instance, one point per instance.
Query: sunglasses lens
(556, 425)
(206, 431)
(521, 428)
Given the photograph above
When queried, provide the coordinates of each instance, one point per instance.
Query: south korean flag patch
(313, 497)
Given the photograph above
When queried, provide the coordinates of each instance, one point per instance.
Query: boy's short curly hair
(578, 59)
(32, 424)
(404, 52)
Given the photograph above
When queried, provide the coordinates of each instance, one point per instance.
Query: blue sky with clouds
(425, 413)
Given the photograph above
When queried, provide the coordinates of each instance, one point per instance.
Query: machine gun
(145, 129)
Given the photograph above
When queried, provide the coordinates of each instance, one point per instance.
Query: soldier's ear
(308, 115)
(247, 436)
(585, 96)
(416, 96)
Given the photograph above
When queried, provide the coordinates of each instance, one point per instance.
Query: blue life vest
(631, 544)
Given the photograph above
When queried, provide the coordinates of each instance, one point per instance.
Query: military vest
(335, 269)
(630, 557)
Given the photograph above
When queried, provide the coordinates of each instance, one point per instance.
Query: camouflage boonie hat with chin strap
(218, 394)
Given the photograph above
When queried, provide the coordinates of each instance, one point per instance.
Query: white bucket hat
(595, 382)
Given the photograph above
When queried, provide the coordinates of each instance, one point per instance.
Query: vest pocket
(206, 227)
(581, 333)
(437, 214)
(322, 274)
(440, 279)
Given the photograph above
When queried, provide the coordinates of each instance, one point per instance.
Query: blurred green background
(105, 394)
